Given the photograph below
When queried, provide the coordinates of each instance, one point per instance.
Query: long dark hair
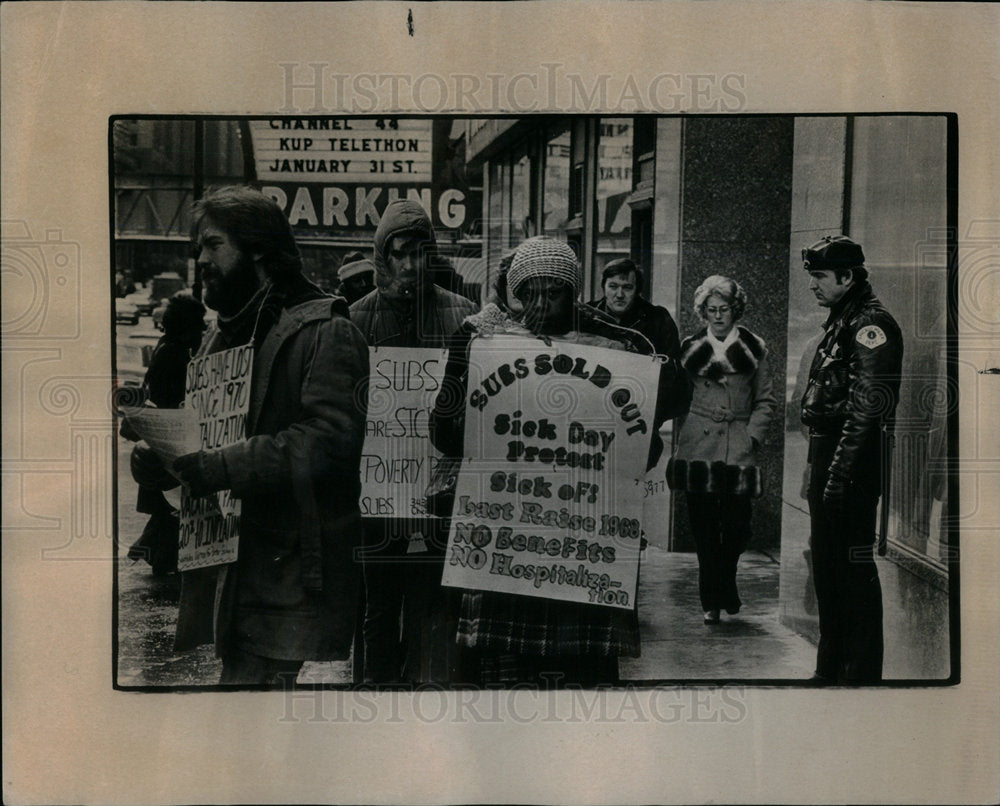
(256, 224)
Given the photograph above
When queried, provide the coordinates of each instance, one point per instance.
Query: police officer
(848, 406)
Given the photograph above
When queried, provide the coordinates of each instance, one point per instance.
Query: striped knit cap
(543, 256)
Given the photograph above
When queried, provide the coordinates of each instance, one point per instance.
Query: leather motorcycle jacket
(854, 381)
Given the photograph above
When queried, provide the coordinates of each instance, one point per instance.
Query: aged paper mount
(69, 737)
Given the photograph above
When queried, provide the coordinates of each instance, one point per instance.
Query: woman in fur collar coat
(715, 459)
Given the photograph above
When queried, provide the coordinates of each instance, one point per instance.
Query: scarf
(241, 326)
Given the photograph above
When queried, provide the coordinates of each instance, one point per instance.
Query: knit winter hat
(354, 268)
(543, 256)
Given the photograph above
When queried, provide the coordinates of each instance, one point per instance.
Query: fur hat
(831, 253)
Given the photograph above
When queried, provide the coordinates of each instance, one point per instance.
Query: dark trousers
(848, 593)
(400, 596)
(721, 528)
(240, 667)
(157, 544)
(410, 621)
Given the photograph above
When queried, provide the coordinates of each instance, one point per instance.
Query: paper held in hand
(170, 432)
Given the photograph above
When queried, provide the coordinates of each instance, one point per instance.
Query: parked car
(163, 286)
(140, 301)
(132, 354)
(126, 312)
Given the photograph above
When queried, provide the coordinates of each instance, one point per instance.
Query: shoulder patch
(871, 336)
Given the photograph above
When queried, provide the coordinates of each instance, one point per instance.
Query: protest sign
(548, 501)
(217, 388)
(397, 459)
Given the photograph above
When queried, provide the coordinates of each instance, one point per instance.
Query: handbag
(440, 493)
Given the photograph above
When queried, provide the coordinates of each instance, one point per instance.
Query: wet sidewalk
(677, 645)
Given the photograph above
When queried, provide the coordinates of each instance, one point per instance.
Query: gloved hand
(202, 472)
(126, 431)
(148, 470)
(835, 493)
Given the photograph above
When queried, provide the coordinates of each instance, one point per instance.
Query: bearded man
(291, 595)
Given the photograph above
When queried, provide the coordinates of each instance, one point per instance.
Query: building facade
(686, 197)
(333, 178)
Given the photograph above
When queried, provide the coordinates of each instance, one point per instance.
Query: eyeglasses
(722, 310)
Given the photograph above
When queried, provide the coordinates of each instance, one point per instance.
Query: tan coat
(731, 407)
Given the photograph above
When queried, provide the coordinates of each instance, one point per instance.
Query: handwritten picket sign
(217, 387)
(398, 459)
(548, 501)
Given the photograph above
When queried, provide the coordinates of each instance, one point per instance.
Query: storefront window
(892, 202)
(498, 173)
(520, 200)
(898, 214)
(664, 274)
(614, 183)
(557, 173)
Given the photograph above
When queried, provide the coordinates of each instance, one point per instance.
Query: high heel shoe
(711, 616)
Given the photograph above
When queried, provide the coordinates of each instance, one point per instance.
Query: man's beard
(228, 293)
(394, 288)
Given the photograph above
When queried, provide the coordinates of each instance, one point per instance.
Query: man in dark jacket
(291, 594)
(403, 555)
(651, 329)
(848, 406)
(623, 302)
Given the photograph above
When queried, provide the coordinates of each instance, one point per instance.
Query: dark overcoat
(293, 592)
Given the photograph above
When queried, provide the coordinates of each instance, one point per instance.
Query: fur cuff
(717, 477)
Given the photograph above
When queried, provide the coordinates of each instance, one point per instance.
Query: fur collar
(492, 319)
(742, 356)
